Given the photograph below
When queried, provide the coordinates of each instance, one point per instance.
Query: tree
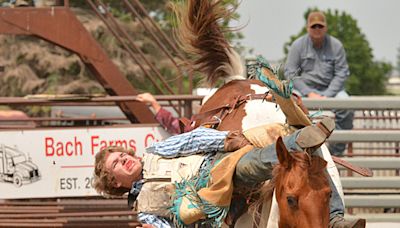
(367, 77)
(398, 60)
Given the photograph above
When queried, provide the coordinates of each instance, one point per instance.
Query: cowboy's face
(125, 168)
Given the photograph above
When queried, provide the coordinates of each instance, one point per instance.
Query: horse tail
(199, 33)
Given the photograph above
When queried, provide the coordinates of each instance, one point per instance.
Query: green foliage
(398, 60)
(367, 77)
(119, 9)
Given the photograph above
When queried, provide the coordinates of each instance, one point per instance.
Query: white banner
(59, 162)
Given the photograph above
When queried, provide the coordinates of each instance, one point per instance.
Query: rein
(366, 172)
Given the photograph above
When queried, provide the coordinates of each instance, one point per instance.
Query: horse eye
(292, 201)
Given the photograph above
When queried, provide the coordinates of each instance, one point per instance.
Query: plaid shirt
(200, 140)
(169, 122)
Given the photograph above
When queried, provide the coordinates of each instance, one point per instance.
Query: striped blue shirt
(200, 140)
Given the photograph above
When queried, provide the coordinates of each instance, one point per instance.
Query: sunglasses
(317, 26)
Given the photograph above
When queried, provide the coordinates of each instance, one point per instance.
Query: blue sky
(270, 23)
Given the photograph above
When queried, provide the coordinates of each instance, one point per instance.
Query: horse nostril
(292, 201)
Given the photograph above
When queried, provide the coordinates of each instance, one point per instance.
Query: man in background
(318, 67)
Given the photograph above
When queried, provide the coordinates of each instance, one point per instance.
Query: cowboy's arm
(164, 117)
(153, 220)
(200, 140)
(169, 122)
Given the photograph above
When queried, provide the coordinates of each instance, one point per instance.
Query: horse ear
(317, 164)
(283, 154)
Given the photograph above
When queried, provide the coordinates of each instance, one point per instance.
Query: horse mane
(263, 194)
(200, 35)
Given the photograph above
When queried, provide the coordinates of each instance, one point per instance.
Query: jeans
(344, 121)
(256, 167)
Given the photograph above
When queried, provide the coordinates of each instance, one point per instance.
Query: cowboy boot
(312, 137)
(340, 222)
(235, 140)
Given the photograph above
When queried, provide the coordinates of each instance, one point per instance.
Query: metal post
(188, 109)
(350, 154)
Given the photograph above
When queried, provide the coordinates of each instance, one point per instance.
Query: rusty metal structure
(60, 26)
(81, 102)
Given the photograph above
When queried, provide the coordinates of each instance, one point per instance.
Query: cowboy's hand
(146, 97)
(315, 95)
(149, 99)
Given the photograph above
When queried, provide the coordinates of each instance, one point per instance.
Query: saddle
(214, 116)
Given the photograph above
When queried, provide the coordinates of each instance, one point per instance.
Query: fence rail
(376, 137)
(355, 103)
(371, 183)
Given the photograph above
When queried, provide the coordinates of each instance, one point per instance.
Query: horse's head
(302, 189)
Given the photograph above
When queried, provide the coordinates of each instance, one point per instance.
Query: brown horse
(302, 193)
(244, 104)
(299, 181)
(302, 189)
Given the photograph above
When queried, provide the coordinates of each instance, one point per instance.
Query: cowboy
(189, 177)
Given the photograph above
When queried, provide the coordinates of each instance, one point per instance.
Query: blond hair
(104, 182)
